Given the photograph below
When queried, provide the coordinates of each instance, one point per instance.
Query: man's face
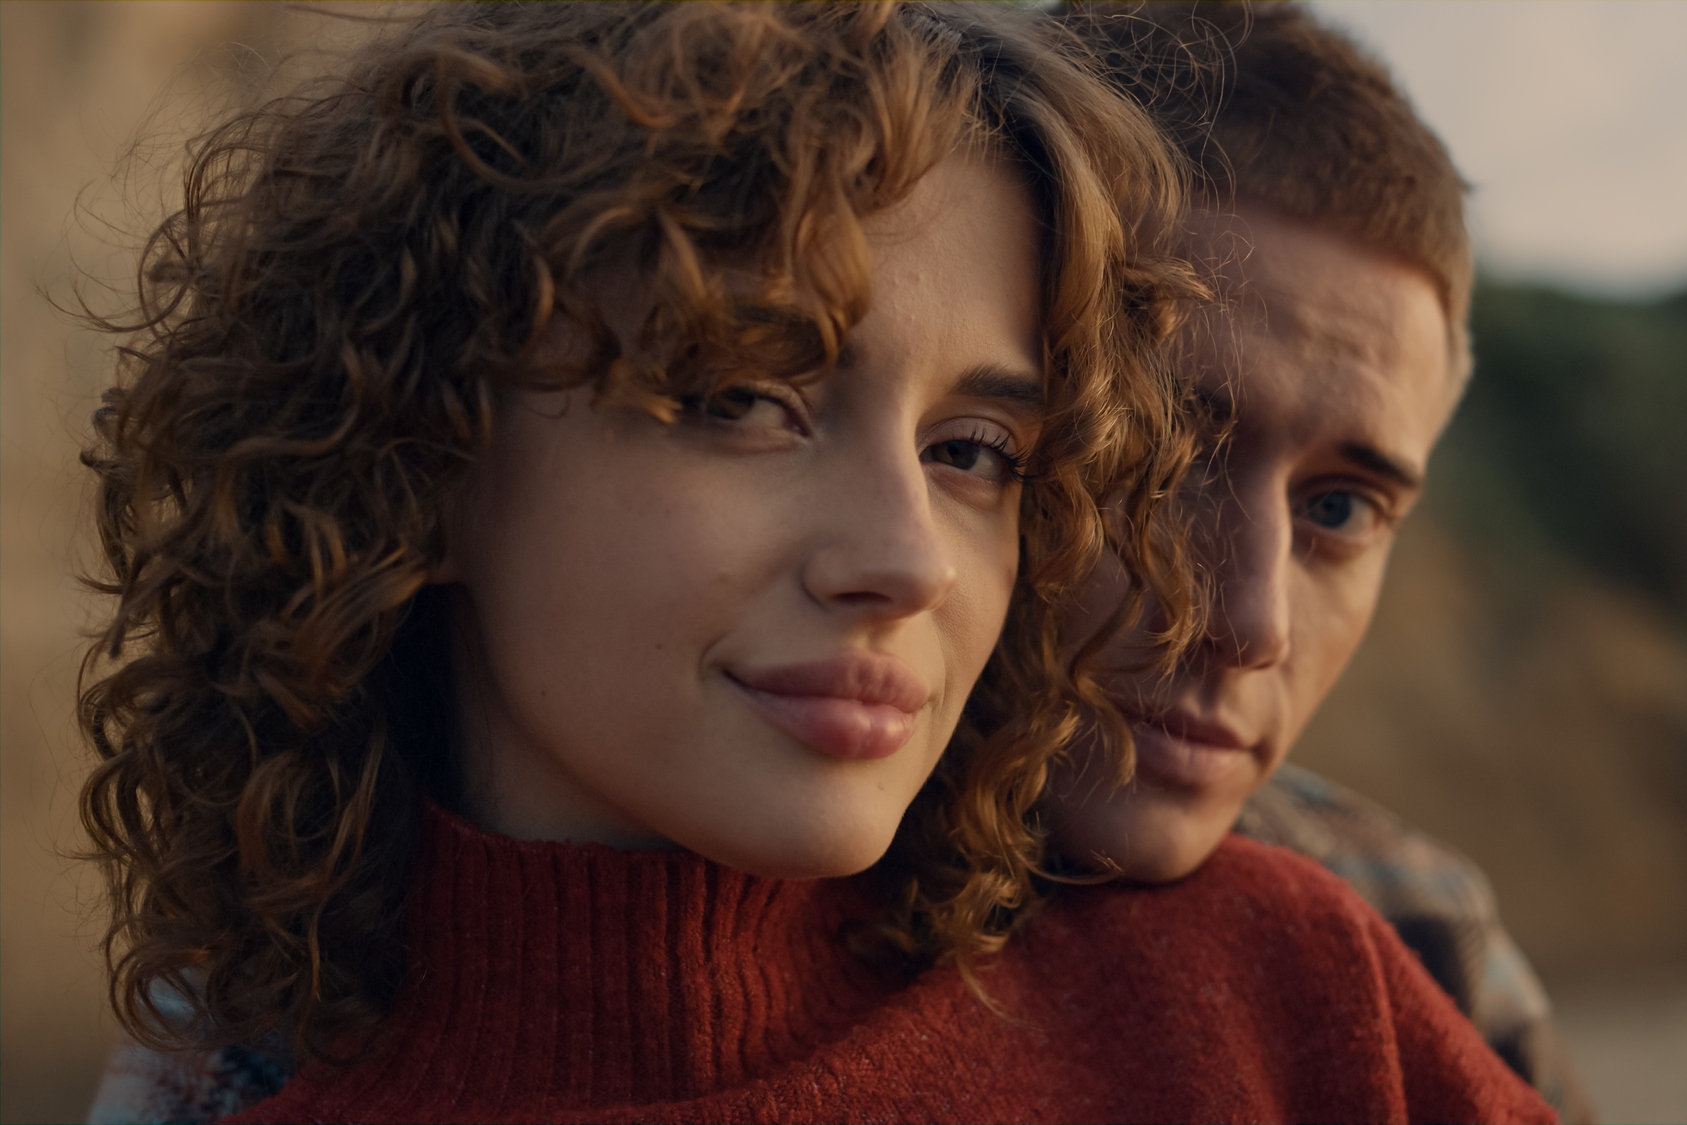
(1331, 368)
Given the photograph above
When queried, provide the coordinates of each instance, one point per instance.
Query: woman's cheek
(972, 620)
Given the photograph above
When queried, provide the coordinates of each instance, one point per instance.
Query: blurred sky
(1568, 116)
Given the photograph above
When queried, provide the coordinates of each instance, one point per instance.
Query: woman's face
(751, 632)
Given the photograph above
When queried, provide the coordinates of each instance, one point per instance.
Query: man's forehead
(1282, 412)
(1314, 282)
(1255, 380)
(1321, 338)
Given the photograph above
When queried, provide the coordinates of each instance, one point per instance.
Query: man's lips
(1177, 748)
(856, 706)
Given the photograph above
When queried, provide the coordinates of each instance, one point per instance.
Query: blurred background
(1523, 694)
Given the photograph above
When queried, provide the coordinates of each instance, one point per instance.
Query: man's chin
(1148, 833)
(1174, 858)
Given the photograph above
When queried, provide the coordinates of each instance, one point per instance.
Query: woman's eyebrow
(1374, 459)
(1022, 389)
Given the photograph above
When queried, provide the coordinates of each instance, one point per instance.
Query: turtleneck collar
(557, 983)
(591, 976)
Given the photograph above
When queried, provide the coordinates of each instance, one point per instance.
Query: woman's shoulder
(1248, 885)
(1265, 967)
(1257, 931)
(1256, 925)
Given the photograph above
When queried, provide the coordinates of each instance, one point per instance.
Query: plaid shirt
(1439, 902)
(144, 1085)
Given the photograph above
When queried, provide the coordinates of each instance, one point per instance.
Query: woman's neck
(514, 788)
(513, 785)
(620, 974)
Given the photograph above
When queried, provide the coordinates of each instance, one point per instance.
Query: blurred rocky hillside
(83, 82)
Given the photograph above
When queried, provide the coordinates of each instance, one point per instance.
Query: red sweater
(558, 983)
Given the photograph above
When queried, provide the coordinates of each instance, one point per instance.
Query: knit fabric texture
(551, 982)
(1443, 908)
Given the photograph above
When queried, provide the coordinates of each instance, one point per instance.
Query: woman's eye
(1341, 511)
(983, 455)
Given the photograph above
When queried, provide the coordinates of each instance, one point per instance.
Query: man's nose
(1249, 622)
(881, 550)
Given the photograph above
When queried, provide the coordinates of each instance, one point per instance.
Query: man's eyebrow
(1023, 389)
(1374, 459)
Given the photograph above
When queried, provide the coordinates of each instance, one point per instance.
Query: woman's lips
(1180, 750)
(858, 706)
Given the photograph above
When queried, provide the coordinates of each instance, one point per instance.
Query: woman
(594, 480)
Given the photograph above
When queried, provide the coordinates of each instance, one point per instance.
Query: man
(1333, 221)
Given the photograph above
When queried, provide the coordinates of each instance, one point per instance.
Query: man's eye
(743, 405)
(731, 404)
(1340, 511)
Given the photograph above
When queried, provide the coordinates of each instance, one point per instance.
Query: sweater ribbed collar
(582, 975)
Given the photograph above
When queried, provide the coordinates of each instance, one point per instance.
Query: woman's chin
(796, 848)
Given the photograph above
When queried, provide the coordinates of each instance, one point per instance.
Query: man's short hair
(1272, 107)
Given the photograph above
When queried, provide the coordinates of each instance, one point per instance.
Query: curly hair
(323, 327)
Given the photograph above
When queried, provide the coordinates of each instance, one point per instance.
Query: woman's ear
(450, 567)
(447, 572)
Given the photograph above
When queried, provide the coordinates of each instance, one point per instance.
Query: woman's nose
(1249, 623)
(880, 549)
